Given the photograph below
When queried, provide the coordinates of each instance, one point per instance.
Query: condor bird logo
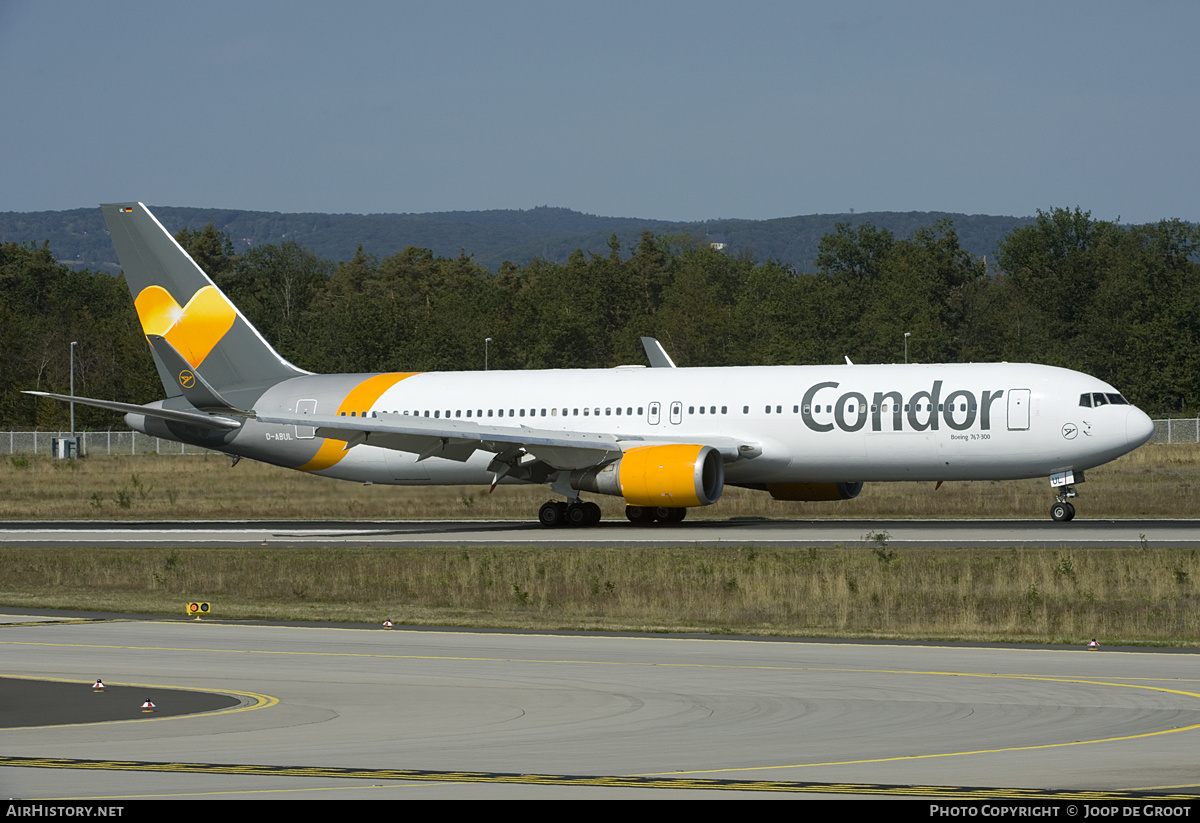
(187, 379)
(195, 329)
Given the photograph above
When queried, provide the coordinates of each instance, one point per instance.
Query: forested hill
(78, 237)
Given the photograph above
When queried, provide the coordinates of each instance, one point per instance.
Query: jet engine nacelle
(674, 476)
(814, 491)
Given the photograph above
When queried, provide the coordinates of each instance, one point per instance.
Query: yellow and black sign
(198, 609)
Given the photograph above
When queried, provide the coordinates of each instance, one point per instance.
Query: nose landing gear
(1063, 511)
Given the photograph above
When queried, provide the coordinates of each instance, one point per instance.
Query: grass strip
(1117, 595)
(1154, 481)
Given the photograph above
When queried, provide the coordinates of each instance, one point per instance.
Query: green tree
(210, 248)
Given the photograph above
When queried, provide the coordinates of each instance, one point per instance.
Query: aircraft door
(653, 414)
(1018, 409)
(676, 413)
(306, 407)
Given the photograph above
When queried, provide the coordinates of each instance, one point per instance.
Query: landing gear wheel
(1062, 512)
(577, 515)
(670, 514)
(640, 515)
(553, 514)
(593, 513)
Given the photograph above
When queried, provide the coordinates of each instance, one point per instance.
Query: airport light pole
(907, 335)
(486, 341)
(74, 343)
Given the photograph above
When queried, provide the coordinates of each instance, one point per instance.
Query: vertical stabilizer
(176, 300)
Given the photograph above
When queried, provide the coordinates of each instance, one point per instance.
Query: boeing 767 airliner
(663, 438)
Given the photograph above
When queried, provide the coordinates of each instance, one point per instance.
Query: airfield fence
(93, 442)
(1183, 430)
(1172, 431)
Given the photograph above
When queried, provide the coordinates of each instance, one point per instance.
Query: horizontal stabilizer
(204, 421)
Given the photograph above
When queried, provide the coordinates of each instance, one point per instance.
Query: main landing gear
(555, 513)
(644, 515)
(1062, 511)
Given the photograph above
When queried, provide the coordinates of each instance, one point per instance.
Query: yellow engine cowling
(673, 476)
(814, 491)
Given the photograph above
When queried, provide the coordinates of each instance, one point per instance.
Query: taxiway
(341, 713)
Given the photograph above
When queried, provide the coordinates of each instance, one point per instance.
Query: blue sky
(669, 110)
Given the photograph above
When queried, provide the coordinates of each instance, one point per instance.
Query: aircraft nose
(1138, 427)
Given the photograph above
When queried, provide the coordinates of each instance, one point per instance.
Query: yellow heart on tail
(193, 330)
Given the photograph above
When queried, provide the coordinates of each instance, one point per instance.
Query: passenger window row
(852, 408)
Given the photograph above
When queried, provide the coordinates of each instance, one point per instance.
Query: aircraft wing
(459, 439)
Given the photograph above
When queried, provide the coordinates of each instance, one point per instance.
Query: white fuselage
(986, 421)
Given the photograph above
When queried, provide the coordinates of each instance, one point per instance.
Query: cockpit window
(1085, 400)
(1117, 400)
(1099, 399)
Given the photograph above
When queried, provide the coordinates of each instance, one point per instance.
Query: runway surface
(329, 713)
(400, 533)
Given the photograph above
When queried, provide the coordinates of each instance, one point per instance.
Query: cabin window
(768, 408)
(745, 409)
(724, 409)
